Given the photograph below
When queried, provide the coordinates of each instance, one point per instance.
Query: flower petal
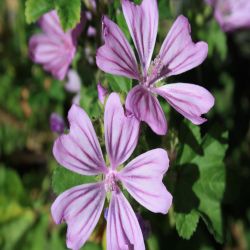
(142, 22)
(55, 55)
(50, 24)
(188, 99)
(145, 106)
(116, 56)
(121, 131)
(179, 53)
(80, 151)
(80, 207)
(73, 84)
(142, 177)
(123, 229)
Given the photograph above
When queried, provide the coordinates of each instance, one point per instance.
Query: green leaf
(64, 179)
(152, 243)
(10, 184)
(186, 224)
(211, 185)
(69, 12)
(36, 238)
(12, 231)
(216, 39)
(122, 24)
(201, 179)
(55, 241)
(36, 8)
(119, 83)
(91, 246)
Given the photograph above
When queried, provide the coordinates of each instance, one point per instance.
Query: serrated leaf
(119, 83)
(69, 12)
(36, 8)
(64, 179)
(211, 185)
(186, 224)
(204, 155)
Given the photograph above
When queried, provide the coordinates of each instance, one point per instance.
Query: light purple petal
(54, 49)
(142, 177)
(73, 84)
(76, 99)
(231, 14)
(57, 123)
(55, 55)
(116, 56)
(50, 24)
(91, 32)
(145, 106)
(142, 22)
(102, 92)
(188, 99)
(123, 229)
(121, 131)
(80, 151)
(179, 53)
(80, 207)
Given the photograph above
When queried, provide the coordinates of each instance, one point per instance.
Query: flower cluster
(178, 54)
(79, 151)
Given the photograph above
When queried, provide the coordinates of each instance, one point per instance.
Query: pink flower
(177, 55)
(54, 48)
(81, 206)
(231, 14)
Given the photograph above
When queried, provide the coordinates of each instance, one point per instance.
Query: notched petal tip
(190, 100)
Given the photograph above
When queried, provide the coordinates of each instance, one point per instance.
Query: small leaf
(119, 83)
(36, 8)
(64, 179)
(186, 224)
(69, 12)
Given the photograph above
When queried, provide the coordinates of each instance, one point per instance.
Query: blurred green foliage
(209, 173)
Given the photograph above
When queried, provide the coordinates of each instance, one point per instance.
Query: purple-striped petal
(80, 151)
(142, 177)
(50, 24)
(188, 99)
(80, 207)
(54, 49)
(55, 55)
(121, 131)
(145, 107)
(179, 53)
(116, 56)
(123, 229)
(142, 22)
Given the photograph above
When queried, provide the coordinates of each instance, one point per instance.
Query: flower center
(111, 181)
